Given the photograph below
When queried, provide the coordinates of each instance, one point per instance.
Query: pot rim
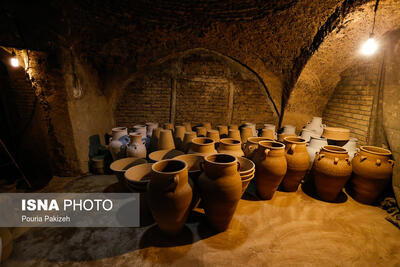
(250, 139)
(281, 146)
(119, 129)
(376, 150)
(233, 142)
(131, 170)
(129, 160)
(335, 149)
(295, 140)
(206, 158)
(139, 126)
(168, 160)
(194, 141)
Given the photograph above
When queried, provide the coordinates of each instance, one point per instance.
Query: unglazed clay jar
(118, 142)
(201, 131)
(268, 133)
(136, 147)
(207, 125)
(231, 146)
(140, 129)
(253, 128)
(331, 171)
(245, 133)
(271, 167)
(202, 145)
(252, 144)
(154, 139)
(220, 189)
(168, 126)
(234, 134)
(372, 171)
(193, 162)
(223, 131)
(170, 195)
(214, 135)
(166, 141)
(188, 126)
(179, 134)
(298, 161)
(187, 140)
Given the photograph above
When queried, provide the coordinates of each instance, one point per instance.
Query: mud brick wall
(351, 103)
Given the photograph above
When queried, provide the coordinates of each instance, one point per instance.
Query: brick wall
(351, 103)
(206, 88)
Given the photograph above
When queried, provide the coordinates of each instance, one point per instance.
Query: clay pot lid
(221, 159)
(164, 154)
(376, 150)
(202, 141)
(272, 144)
(294, 140)
(170, 166)
(230, 142)
(124, 164)
(139, 174)
(334, 149)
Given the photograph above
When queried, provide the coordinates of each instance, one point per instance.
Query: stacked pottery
(179, 134)
(314, 147)
(136, 147)
(331, 171)
(119, 167)
(188, 126)
(170, 195)
(187, 140)
(118, 142)
(372, 172)
(288, 130)
(223, 131)
(168, 126)
(207, 125)
(351, 147)
(316, 126)
(245, 133)
(271, 167)
(6, 244)
(252, 126)
(166, 141)
(234, 134)
(150, 128)
(230, 146)
(308, 134)
(252, 145)
(201, 131)
(246, 171)
(154, 139)
(298, 162)
(203, 146)
(140, 129)
(220, 188)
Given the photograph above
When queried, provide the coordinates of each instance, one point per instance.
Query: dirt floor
(292, 229)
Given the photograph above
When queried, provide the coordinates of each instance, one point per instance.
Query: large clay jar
(136, 147)
(331, 171)
(268, 133)
(220, 189)
(154, 139)
(298, 161)
(6, 244)
(223, 131)
(372, 171)
(166, 141)
(231, 146)
(187, 140)
(245, 133)
(118, 142)
(202, 145)
(252, 145)
(170, 195)
(314, 147)
(271, 167)
(150, 127)
(179, 135)
(214, 135)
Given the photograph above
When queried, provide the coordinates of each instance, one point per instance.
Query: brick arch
(196, 85)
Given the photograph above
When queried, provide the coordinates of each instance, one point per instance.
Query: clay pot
(246, 166)
(220, 188)
(193, 162)
(188, 126)
(331, 171)
(245, 133)
(179, 134)
(307, 134)
(118, 142)
(234, 134)
(271, 167)
(298, 161)
(269, 126)
(154, 139)
(168, 126)
(372, 172)
(314, 147)
(164, 154)
(335, 133)
(202, 145)
(97, 164)
(140, 129)
(187, 140)
(214, 135)
(223, 131)
(119, 167)
(316, 126)
(231, 146)
(281, 137)
(201, 131)
(6, 244)
(233, 127)
(166, 141)
(136, 147)
(253, 128)
(150, 128)
(138, 177)
(245, 181)
(170, 195)
(268, 133)
(207, 125)
(289, 129)
(252, 144)
(351, 147)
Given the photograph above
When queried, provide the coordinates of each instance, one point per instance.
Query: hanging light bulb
(14, 60)
(370, 46)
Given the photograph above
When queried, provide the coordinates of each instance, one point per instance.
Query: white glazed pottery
(118, 142)
(314, 147)
(307, 134)
(315, 125)
(289, 129)
(351, 147)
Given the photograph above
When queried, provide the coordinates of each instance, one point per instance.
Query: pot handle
(173, 184)
(336, 160)
(362, 158)
(348, 161)
(321, 156)
(391, 162)
(252, 148)
(238, 167)
(292, 148)
(378, 162)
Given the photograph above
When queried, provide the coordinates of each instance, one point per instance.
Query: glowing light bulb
(369, 47)
(14, 62)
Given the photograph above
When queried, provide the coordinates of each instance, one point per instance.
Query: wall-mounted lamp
(370, 46)
(14, 60)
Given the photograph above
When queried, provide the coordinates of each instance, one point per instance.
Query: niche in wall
(198, 85)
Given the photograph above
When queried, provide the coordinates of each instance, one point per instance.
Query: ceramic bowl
(138, 177)
(119, 167)
(246, 166)
(164, 154)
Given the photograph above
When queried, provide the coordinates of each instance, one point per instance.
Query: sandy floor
(292, 229)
